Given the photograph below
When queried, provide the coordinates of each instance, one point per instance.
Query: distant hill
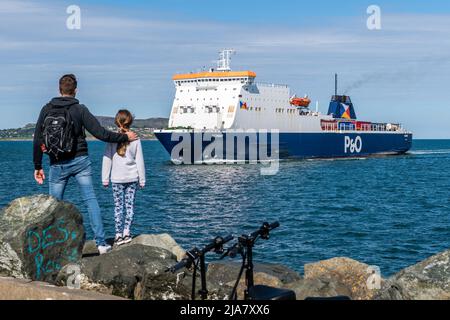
(144, 127)
(155, 123)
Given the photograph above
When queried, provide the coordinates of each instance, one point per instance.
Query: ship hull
(289, 146)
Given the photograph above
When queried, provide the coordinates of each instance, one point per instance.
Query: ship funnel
(335, 84)
(341, 106)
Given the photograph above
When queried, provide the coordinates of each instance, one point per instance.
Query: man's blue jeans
(80, 169)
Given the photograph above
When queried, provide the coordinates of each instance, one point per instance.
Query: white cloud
(19, 6)
(135, 53)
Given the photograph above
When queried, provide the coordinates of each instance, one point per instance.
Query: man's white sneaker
(104, 249)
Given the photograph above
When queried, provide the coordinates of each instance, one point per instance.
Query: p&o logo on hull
(352, 145)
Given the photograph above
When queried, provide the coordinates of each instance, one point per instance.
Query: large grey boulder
(318, 288)
(427, 280)
(227, 272)
(21, 289)
(39, 235)
(345, 276)
(222, 276)
(164, 241)
(134, 272)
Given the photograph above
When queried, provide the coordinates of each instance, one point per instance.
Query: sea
(390, 211)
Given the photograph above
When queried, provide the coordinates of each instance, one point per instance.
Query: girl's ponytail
(124, 120)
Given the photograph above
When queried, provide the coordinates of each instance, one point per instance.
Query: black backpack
(58, 132)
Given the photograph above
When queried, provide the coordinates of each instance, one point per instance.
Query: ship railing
(366, 127)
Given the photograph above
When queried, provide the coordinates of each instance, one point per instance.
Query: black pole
(249, 272)
(194, 277)
(204, 291)
(335, 83)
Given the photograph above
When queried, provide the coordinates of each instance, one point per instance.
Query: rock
(426, 280)
(133, 271)
(314, 288)
(356, 277)
(90, 248)
(38, 236)
(221, 277)
(21, 289)
(225, 272)
(163, 241)
(283, 273)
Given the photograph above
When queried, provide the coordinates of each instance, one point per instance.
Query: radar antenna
(223, 64)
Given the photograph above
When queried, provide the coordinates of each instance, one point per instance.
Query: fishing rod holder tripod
(244, 247)
(196, 258)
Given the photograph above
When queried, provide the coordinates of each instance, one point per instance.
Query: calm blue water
(390, 211)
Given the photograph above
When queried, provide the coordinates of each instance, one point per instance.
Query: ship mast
(335, 84)
(224, 62)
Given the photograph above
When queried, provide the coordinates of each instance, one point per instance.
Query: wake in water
(425, 152)
(338, 159)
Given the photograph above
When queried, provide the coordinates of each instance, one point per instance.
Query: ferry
(221, 115)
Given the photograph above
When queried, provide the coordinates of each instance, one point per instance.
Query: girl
(124, 164)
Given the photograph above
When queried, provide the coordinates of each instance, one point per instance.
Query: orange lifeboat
(300, 102)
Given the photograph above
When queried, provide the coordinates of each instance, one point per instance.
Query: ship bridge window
(212, 109)
(187, 109)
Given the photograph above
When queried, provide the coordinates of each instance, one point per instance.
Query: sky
(126, 53)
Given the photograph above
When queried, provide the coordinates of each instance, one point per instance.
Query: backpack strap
(83, 129)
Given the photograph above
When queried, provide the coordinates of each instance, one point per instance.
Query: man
(73, 161)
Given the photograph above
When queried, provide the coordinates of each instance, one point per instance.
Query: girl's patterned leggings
(124, 196)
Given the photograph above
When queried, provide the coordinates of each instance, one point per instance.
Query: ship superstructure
(221, 100)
